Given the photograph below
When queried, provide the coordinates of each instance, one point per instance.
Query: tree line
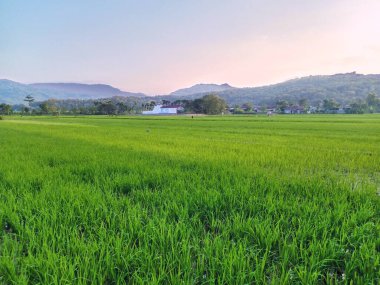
(209, 104)
(359, 106)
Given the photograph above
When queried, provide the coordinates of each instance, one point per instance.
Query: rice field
(175, 200)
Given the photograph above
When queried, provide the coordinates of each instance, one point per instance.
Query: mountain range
(12, 92)
(344, 88)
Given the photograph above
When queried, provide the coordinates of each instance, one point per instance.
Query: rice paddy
(175, 200)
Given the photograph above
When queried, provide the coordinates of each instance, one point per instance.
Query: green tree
(330, 104)
(238, 111)
(282, 105)
(373, 102)
(303, 102)
(197, 106)
(263, 108)
(44, 108)
(49, 107)
(248, 107)
(106, 107)
(30, 100)
(25, 110)
(213, 105)
(165, 102)
(358, 107)
(122, 107)
(5, 109)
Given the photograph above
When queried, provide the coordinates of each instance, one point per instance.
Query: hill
(12, 92)
(202, 88)
(342, 87)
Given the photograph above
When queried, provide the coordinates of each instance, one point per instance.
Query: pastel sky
(157, 46)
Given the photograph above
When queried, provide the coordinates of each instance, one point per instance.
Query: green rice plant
(210, 200)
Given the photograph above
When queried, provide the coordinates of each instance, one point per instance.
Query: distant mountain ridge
(201, 88)
(344, 87)
(77, 87)
(12, 92)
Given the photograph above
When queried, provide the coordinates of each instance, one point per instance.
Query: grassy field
(175, 200)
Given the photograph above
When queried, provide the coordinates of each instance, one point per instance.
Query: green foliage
(210, 104)
(282, 105)
(112, 106)
(330, 104)
(175, 200)
(303, 102)
(248, 106)
(358, 107)
(372, 99)
(373, 103)
(25, 110)
(29, 99)
(105, 107)
(49, 107)
(238, 111)
(213, 104)
(5, 109)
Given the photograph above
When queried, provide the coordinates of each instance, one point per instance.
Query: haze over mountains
(12, 92)
(342, 87)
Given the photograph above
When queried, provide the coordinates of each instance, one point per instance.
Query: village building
(294, 110)
(164, 110)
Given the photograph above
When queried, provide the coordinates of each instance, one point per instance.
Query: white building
(162, 110)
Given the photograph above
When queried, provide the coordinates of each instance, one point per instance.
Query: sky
(158, 46)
